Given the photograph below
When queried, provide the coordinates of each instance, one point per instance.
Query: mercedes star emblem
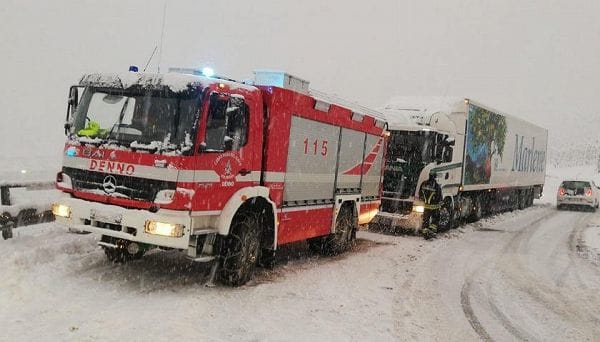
(109, 184)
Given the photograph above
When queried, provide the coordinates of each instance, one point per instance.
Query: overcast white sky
(535, 59)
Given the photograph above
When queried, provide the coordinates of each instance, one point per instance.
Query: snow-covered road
(526, 275)
(516, 277)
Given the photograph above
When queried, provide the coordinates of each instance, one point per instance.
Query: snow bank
(21, 198)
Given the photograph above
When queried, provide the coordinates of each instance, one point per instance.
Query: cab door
(229, 155)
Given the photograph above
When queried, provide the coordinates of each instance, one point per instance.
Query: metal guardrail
(26, 216)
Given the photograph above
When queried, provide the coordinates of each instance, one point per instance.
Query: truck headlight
(418, 208)
(163, 228)
(61, 210)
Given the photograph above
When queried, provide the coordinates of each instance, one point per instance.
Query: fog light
(164, 229)
(61, 210)
(418, 208)
(133, 248)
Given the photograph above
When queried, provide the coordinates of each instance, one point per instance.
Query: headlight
(418, 208)
(61, 210)
(164, 229)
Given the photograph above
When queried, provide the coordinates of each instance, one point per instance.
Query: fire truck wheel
(240, 250)
(339, 241)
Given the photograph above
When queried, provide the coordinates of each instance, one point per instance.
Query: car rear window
(574, 185)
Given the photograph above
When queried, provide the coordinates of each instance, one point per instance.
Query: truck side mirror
(439, 154)
(72, 103)
(447, 155)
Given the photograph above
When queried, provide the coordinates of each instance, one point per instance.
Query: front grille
(400, 185)
(140, 189)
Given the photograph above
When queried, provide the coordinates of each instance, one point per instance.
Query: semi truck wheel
(7, 232)
(530, 198)
(477, 212)
(522, 199)
(239, 250)
(338, 242)
(446, 215)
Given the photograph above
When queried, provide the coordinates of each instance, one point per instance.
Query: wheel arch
(353, 201)
(255, 198)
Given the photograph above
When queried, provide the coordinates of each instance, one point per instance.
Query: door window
(227, 123)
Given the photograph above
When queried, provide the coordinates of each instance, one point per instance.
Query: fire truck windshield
(158, 120)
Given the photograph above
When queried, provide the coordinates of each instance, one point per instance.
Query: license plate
(105, 217)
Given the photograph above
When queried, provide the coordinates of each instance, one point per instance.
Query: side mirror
(439, 157)
(73, 97)
(447, 155)
(72, 103)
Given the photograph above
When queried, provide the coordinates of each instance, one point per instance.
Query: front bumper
(124, 223)
(412, 222)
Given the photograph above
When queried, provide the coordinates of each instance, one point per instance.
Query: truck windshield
(152, 119)
(411, 147)
(408, 152)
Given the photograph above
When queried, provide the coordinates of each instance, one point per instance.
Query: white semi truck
(485, 161)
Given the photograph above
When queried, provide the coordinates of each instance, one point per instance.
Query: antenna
(162, 34)
(149, 59)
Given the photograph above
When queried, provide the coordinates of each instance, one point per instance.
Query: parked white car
(577, 194)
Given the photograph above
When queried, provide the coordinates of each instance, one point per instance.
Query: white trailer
(485, 161)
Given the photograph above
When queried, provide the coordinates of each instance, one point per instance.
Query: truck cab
(153, 160)
(421, 142)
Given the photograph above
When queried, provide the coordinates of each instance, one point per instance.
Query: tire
(446, 215)
(120, 254)
(341, 239)
(515, 201)
(521, 200)
(239, 251)
(7, 232)
(478, 213)
(530, 198)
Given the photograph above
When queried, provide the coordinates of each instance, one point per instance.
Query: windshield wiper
(119, 120)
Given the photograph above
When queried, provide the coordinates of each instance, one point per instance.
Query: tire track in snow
(467, 290)
(465, 302)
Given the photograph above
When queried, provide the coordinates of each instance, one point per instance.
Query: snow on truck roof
(176, 82)
(181, 78)
(410, 112)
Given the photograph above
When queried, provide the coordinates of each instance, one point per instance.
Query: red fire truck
(221, 170)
